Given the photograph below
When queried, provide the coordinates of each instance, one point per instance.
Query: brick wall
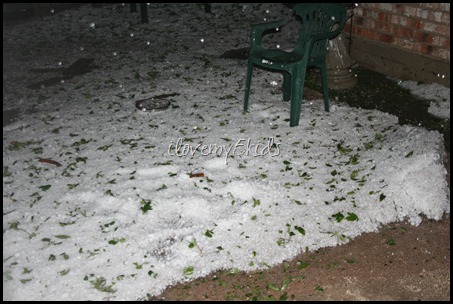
(417, 28)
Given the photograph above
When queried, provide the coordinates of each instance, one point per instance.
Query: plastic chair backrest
(321, 22)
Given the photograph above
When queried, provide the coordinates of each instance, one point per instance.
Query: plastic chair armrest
(258, 30)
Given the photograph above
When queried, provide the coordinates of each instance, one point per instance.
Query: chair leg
(325, 88)
(286, 86)
(297, 91)
(248, 80)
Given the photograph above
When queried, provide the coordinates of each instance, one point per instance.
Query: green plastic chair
(320, 22)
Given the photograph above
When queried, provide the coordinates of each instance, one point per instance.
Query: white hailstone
(60, 63)
(81, 48)
(92, 25)
(278, 46)
(202, 40)
(264, 19)
(114, 53)
(274, 83)
(333, 18)
(277, 29)
(131, 34)
(267, 11)
(62, 81)
(52, 11)
(148, 43)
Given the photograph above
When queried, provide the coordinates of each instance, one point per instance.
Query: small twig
(191, 175)
(49, 161)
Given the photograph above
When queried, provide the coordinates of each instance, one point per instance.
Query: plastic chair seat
(275, 58)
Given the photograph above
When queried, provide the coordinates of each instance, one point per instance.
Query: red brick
(383, 16)
(387, 38)
(383, 26)
(446, 43)
(404, 43)
(443, 30)
(366, 33)
(435, 16)
(359, 20)
(426, 49)
(416, 24)
(428, 26)
(423, 37)
(404, 32)
(442, 53)
(398, 8)
(409, 11)
(445, 18)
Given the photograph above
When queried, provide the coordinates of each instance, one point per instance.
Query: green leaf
(62, 236)
(45, 187)
(188, 271)
(338, 216)
(300, 229)
(113, 242)
(16, 145)
(6, 171)
(256, 202)
(104, 148)
(100, 284)
(302, 265)
(64, 272)
(162, 187)
(382, 197)
(391, 242)
(7, 276)
(273, 287)
(81, 159)
(352, 217)
(146, 205)
(209, 233)
(193, 244)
